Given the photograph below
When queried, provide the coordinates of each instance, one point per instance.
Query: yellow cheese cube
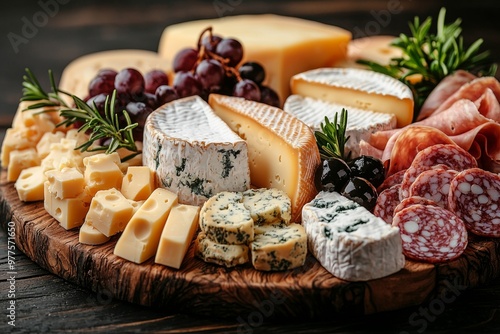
(15, 139)
(89, 235)
(29, 185)
(62, 154)
(139, 241)
(48, 138)
(102, 172)
(69, 212)
(138, 183)
(65, 183)
(109, 212)
(177, 234)
(283, 45)
(19, 160)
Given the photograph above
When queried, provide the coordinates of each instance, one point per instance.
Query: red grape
(129, 81)
(153, 79)
(210, 73)
(185, 60)
(230, 49)
(98, 101)
(165, 94)
(186, 84)
(210, 44)
(103, 82)
(269, 96)
(247, 89)
(253, 71)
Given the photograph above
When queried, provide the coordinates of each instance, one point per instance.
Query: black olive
(332, 175)
(369, 168)
(361, 191)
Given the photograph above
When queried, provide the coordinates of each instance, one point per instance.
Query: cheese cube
(62, 154)
(283, 45)
(102, 172)
(109, 212)
(19, 160)
(138, 183)
(139, 241)
(89, 235)
(69, 212)
(221, 254)
(15, 139)
(48, 138)
(177, 235)
(29, 185)
(278, 248)
(65, 183)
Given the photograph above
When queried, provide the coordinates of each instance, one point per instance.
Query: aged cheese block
(29, 184)
(283, 45)
(221, 254)
(225, 219)
(179, 230)
(139, 241)
(360, 123)
(363, 89)
(268, 206)
(138, 183)
(278, 248)
(282, 149)
(193, 152)
(89, 235)
(349, 241)
(78, 74)
(109, 212)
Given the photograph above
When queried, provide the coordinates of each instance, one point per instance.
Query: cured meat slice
(430, 233)
(391, 180)
(433, 184)
(407, 202)
(453, 156)
(386, 202)
(475, 197)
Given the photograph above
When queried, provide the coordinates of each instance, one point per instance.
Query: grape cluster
(137, 94)
(212, 67)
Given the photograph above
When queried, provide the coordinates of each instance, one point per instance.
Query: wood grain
(206, 289)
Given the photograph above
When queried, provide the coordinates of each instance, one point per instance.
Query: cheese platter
(117, 205)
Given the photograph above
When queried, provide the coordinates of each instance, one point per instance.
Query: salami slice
(391, 180)
(407, 202)
(386, 202)
(433, 184)
(430, 233)
(475, 197)
(455, 157)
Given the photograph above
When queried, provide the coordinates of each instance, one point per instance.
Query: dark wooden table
(46, 303)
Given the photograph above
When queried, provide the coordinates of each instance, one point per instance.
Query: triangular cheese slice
(282, 149)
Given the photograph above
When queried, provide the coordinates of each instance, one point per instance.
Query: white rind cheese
(349, 241)
(224, 255)
(193, 152)
(358, 88)
(268, 206)
(225, 220)
(277, 248)
(360, 123)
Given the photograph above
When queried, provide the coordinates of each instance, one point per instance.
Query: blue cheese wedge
(360, 123)
(193, 152)
(268, 206)
(225, 220)
(349, 241)
(224, 255)
(277, 248)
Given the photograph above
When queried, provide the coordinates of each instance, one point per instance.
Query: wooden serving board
(198, 287)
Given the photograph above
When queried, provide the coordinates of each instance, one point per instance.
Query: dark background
(80, 27)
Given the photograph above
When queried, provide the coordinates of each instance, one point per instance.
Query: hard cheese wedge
(282, 149)
(357, 88)
(360, 123)
(193, 152)
(283, 45)
(78, 74)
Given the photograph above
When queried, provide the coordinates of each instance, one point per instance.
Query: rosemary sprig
(331, 139)
(433, 56)
(103, 128)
